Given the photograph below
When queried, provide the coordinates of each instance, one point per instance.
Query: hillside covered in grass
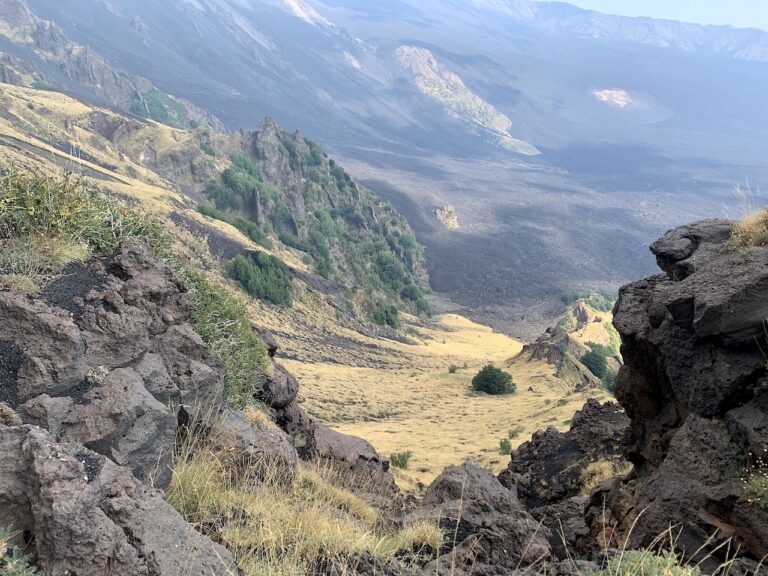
(267, 192)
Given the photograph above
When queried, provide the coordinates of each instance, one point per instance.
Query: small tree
(492, 380)
(596, 363)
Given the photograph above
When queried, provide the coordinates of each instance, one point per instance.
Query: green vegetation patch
(596, 301)
(48, 221)
(385, 313)
(401, 459)
(345, 233)
(13, 560)
(223, 322)
(263, 277)
(159, 106)
(247, 227)
(494, 381)
(597, 362)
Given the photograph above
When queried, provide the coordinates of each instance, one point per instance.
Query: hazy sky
(741, 13)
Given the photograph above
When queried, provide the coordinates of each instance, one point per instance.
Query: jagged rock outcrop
(547, 473)
(547, 469)
(82, 514)
(106, 359)
(492, 532)
(558, 348)
(694, 386)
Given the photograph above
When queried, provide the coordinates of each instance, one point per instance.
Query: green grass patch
(222, 321)
(48, 221)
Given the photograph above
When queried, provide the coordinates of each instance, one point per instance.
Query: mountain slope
(635, 135)
(333, 234)
(43, 44)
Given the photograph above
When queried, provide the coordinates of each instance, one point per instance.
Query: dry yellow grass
(600, 471)
(282, 523)
(402, 397)
(751, 231)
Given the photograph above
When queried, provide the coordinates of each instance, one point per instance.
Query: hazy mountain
(640, 124)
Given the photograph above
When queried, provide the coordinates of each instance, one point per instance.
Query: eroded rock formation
(694, 386)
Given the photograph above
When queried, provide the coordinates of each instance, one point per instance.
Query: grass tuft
(222, 320)
(600, 471)
(281, 522)
(646, 563)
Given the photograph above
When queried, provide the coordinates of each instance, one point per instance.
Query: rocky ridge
(100, 377)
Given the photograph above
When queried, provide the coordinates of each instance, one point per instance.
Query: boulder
(105, 357)
(492, 532)
(246, 444)
(548, 468)
(694, 387)
(80, 513)
(355, 460)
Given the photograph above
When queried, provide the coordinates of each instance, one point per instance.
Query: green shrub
(13, 561)
(415, 294)
(385, 313)
(264, 277)
(492, 380)
(596, 362)
(515, 432)
(505, 447)
(34, 204)
(401, 459)
(452, 369)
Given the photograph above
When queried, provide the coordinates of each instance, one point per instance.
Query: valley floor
(402, 397)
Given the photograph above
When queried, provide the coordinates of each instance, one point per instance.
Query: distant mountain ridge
(641, 124)
(78, 67)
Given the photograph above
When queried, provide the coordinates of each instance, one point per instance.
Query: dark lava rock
(694, 386)
(84, 515)
(492, 532)
(547, 469)
(103, 356)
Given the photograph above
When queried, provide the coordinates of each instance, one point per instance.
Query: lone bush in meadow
(492, 380)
